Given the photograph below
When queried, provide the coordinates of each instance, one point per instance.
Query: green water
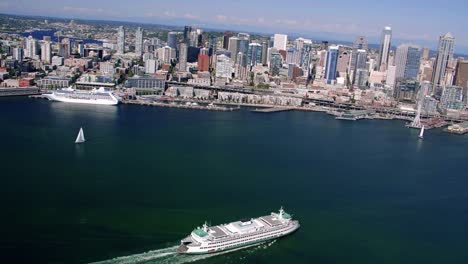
(364, 192)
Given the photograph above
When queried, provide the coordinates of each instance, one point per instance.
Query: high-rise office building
(203, 62)
(360, 65)
(425, 54)
(331, 64)
(139, 41)
(264, 53)
(360, 43)
(183, 50)
(172, 39)
(187, 31)
(280, 41)
(18, 54)
(31, 49)
(150, 66)
(384, 51)
(407, 61)
(444, 55)
(223, 67)
(226, 37)
(121, 40)
(233, 47)
(254, 54)
(461, 77)
(46, 52)
(276, 62)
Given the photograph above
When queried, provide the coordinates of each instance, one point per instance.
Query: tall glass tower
(444, 54)
(385, 45)
(332, 62)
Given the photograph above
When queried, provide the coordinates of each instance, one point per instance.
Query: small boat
(421, 134)
(80, 138)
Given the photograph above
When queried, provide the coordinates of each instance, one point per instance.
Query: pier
(273, 109)
(182, 106)
(19, 91)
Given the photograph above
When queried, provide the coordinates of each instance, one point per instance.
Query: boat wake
(170, 256)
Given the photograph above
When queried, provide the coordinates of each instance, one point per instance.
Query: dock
(273, 109)
(181, 106)
(19, 91)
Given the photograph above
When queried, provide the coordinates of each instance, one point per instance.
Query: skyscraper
(187, 31)
(233, 47)
(280, 41)
(46, 52)
(444, 55)
(452, 98)
(139, 41)
(172, 40)
(226, 37)
(276, 62)
(183, 50)
(407, 60)
(254, 54)
(331, 64)
(31, 49)
(360, 43)
(121, 40)
(385, 45)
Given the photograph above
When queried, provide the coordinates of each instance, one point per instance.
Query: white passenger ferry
(238, 235)
(69, 95)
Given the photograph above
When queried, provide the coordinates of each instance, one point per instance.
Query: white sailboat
(80, 138)
(421, 134)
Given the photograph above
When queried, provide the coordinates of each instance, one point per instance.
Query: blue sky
(416, 21)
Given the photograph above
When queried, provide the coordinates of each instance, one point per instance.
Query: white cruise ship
(238, 235)
(69, 95)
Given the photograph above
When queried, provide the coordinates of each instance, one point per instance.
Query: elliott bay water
(364, 192)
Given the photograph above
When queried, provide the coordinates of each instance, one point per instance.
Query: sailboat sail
(80, 138)
(421, 134)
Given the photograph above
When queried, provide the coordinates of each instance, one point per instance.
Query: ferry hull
(229, 248)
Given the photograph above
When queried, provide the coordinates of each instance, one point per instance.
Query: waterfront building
(254, 54)
(452, 98)
(407, 60)
(429, 105)
(53, 82)
(384, 51)
(172, 39)
(183, 50)
(331, 64)
(121, 40)
(139, 41)
(444, 55)
(280, 41)
(145, 83)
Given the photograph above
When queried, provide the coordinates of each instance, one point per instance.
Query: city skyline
(318, 20)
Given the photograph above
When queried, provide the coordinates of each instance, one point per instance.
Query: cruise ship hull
(54, 97)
